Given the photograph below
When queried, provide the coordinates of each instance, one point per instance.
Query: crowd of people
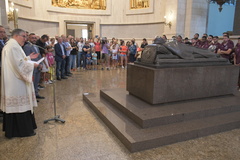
(64, 55)
(98, 53)
(69, 54)
(226, 49)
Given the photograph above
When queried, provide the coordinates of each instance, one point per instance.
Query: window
(85, 33)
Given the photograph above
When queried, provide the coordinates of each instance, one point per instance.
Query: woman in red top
(123, 53)
(97, 48)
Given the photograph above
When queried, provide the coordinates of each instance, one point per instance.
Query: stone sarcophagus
(170, 72)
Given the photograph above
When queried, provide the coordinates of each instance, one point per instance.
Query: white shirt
(80, 46)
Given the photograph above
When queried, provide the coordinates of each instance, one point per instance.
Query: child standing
(50, 59)
(45, 69)
(94, 59)
(88, 60)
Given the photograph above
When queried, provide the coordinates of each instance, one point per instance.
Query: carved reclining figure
(163, 54)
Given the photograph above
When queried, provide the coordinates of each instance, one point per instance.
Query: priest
(17, 91)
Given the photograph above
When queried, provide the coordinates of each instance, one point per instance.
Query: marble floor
(85, 137)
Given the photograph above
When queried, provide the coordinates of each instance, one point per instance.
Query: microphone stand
(38, 46)
(56, 117)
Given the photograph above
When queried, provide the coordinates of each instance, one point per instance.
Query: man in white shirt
(79, 57)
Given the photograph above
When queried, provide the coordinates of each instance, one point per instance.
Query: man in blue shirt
(68, 51)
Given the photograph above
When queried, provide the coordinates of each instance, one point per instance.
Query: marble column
(196, 17)
(236, 30)
(3, 15)
(181, 17)
(187, 16)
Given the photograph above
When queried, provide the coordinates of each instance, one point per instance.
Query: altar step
(147, 115)
(140, 126)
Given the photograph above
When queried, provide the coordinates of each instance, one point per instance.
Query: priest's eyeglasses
(23, 36)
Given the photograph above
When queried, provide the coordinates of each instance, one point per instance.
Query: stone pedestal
(140, 126)
(164, 85)
(169, 100)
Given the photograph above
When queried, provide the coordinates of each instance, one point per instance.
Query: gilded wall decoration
(80, 4)
(139, 4)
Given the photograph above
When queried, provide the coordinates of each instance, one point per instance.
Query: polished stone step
(147, 115)
(136, 138)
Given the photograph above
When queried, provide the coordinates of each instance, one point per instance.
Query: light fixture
(169, 23)
(13, 15)
(221, 2)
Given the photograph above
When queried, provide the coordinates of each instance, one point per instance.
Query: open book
(39, 61)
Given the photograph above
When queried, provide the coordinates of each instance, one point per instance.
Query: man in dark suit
(60, 55)
(42, 43)
(31, 47)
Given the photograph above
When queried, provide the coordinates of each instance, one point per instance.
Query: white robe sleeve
(17, 88)
(20, 65)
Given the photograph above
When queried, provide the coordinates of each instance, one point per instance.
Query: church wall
(187, 17)
(129, 31)
(117, 13)
(170, 13)
(39, 27)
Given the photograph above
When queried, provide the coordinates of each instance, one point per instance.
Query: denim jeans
(67, 65)
(79, 58)
(36, 79)
(84, 60)
(72, 61)
(60, 68)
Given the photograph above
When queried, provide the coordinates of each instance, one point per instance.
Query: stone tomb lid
(175, 54)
